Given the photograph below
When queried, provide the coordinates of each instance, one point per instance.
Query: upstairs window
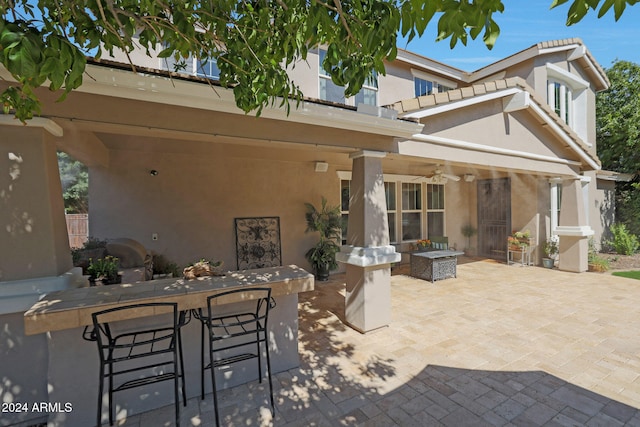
(193, 66)
(560, 98)
(208, 69)
(329, 91)
(428, 87)
(567, 95)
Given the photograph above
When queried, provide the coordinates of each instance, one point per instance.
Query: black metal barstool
(244, 330)
(140, 357)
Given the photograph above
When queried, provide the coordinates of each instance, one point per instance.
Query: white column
(368, 254)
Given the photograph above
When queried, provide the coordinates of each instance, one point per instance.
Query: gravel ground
(622, 262)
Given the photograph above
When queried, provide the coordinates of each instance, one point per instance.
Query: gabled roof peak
(416, 108)
(579, 54)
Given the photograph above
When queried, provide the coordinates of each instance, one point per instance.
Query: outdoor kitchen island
(73, 361)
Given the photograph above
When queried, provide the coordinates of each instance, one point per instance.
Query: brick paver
(498, 345)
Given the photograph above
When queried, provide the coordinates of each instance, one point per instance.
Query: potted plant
(550, 252)
(469, 231)
(519, 240)
(423, 244)
(327, 222)
(104, 270)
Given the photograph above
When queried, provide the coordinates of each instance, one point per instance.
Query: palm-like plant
(327, 222)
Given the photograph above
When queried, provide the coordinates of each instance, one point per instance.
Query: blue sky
(527, 22)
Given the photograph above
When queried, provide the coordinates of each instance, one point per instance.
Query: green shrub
(161, 265)
(623, 242)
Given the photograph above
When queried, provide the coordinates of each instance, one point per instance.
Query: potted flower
(104, 270)
(328, 223)
(519, 240)
(550, 251)
(423, 244)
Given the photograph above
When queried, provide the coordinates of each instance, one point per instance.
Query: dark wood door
(494, 217)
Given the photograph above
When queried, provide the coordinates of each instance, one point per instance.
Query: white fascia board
(516, 59)
(563, 135)
(578, 53)
(571, 79)
(454, 105)
(459, 76)
(467, 145)
(596, 72)
(335, 117)
(548, 50)
(159, 89)
(433, 77)
(502, 65)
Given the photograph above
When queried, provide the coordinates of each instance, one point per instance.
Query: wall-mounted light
(322, 166)
(469, 177)
(153, 172)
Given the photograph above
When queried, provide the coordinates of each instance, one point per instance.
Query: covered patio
(498, 345)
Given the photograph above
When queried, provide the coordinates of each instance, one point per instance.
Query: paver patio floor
(499, 345)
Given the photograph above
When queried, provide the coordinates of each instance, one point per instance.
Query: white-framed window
(329, 91)
(428, 87)
(392, 207)
(567, 96)
(411, 211)
(193, 66)
(555, 198)
(208, 69)
(409, 218)
(560, 99)
(345, 196)
(435, 210)
(429, 84)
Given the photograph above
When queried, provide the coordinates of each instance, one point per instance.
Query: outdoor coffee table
(434, 265)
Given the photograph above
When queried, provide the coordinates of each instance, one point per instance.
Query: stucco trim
(39, 122)
(368, 257)
(574, 231)
(490, 149)
(161, 89)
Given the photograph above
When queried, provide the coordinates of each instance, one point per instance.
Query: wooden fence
(78, 229)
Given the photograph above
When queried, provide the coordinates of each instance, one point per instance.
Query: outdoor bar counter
(73, 362)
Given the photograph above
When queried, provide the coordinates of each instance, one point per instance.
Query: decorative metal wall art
(258, 242)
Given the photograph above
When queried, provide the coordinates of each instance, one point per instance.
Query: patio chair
(235, 337)
(136, 358)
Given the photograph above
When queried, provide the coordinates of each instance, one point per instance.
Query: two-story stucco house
(420, 152)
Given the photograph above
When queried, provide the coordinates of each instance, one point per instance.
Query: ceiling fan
(438, 175)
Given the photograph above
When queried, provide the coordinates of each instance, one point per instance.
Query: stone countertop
(72, 308)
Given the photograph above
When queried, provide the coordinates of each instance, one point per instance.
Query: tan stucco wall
(33, 240)
(487, 125)
(529, 203)
(460, 209)
(193, 200)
